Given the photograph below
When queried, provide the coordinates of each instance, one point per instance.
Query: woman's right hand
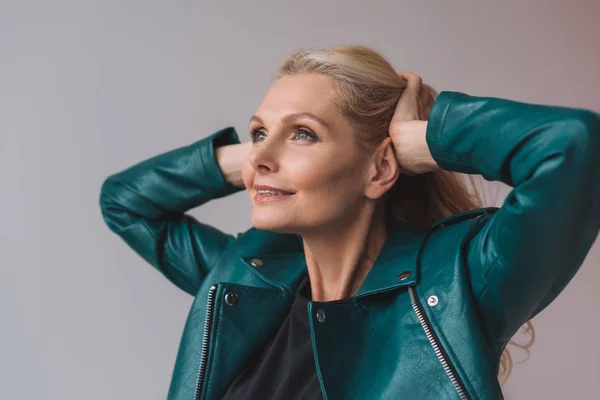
(230, 159)
(408, 130)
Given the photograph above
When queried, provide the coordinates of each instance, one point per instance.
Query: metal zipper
(205, 339)
(439, 350)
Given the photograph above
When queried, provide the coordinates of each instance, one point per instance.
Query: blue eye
(254, 133)
(311, 135)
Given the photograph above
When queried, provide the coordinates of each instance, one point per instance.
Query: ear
(383, 170)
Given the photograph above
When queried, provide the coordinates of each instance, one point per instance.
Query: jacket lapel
(283, 262)
(278, 261)
(397, 264)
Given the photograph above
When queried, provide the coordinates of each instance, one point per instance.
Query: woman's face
(316, 161)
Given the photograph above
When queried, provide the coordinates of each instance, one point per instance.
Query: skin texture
(336, 206)
(338, 202)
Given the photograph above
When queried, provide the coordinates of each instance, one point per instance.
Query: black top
(286, 367)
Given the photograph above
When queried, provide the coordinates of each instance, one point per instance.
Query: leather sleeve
(145, 205)
(525, 253)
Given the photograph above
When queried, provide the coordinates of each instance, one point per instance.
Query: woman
(370, 272)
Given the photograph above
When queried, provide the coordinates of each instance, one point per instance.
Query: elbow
(106, 193)
(590, 121)
(584, 153)
(579, 144)
(109, 208)
(585, 129)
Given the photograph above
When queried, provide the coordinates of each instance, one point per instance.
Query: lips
(269, 197)
(272, 189)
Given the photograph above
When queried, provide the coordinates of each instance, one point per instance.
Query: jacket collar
(397, 265)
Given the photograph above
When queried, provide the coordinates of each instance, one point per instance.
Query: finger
(413, 81)
(408, 106)
(413, 93)
(406, 109)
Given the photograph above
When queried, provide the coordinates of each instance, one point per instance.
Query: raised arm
(525, 253)
(145, 205)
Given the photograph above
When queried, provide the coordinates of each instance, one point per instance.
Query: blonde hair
(367, 90)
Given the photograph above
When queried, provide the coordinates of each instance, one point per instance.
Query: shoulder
(443, 259)
(453, 233)
(482, 214)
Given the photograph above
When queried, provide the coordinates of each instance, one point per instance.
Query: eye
(311, 136)
(254, 133)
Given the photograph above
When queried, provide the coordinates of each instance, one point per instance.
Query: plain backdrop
(88, 88)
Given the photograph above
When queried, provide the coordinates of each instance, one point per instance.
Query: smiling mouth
(268, 195)
(272, 193)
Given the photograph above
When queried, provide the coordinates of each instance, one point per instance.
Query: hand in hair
(407, 130)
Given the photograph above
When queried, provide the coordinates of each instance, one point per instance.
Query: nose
(264, 156)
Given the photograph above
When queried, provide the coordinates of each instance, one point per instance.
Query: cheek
(328, 180)
(309, 173)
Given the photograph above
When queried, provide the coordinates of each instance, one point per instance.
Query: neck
(339, 257)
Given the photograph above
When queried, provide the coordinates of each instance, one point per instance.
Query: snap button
(432, 300)
(256, 262)
(231, 298)
(403, 275)
(321, 315)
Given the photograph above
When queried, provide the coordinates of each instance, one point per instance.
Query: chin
(271, 222)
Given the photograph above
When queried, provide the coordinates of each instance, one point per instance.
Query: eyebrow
(293, 116)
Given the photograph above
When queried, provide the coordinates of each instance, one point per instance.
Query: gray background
(89, 88)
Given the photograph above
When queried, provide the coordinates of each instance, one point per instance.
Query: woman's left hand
(408, 131)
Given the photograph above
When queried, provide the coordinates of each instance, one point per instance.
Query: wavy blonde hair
(367, 91)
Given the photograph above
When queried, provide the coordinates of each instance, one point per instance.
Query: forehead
(312, 93)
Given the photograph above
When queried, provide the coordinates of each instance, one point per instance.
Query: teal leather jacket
(439, 305)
